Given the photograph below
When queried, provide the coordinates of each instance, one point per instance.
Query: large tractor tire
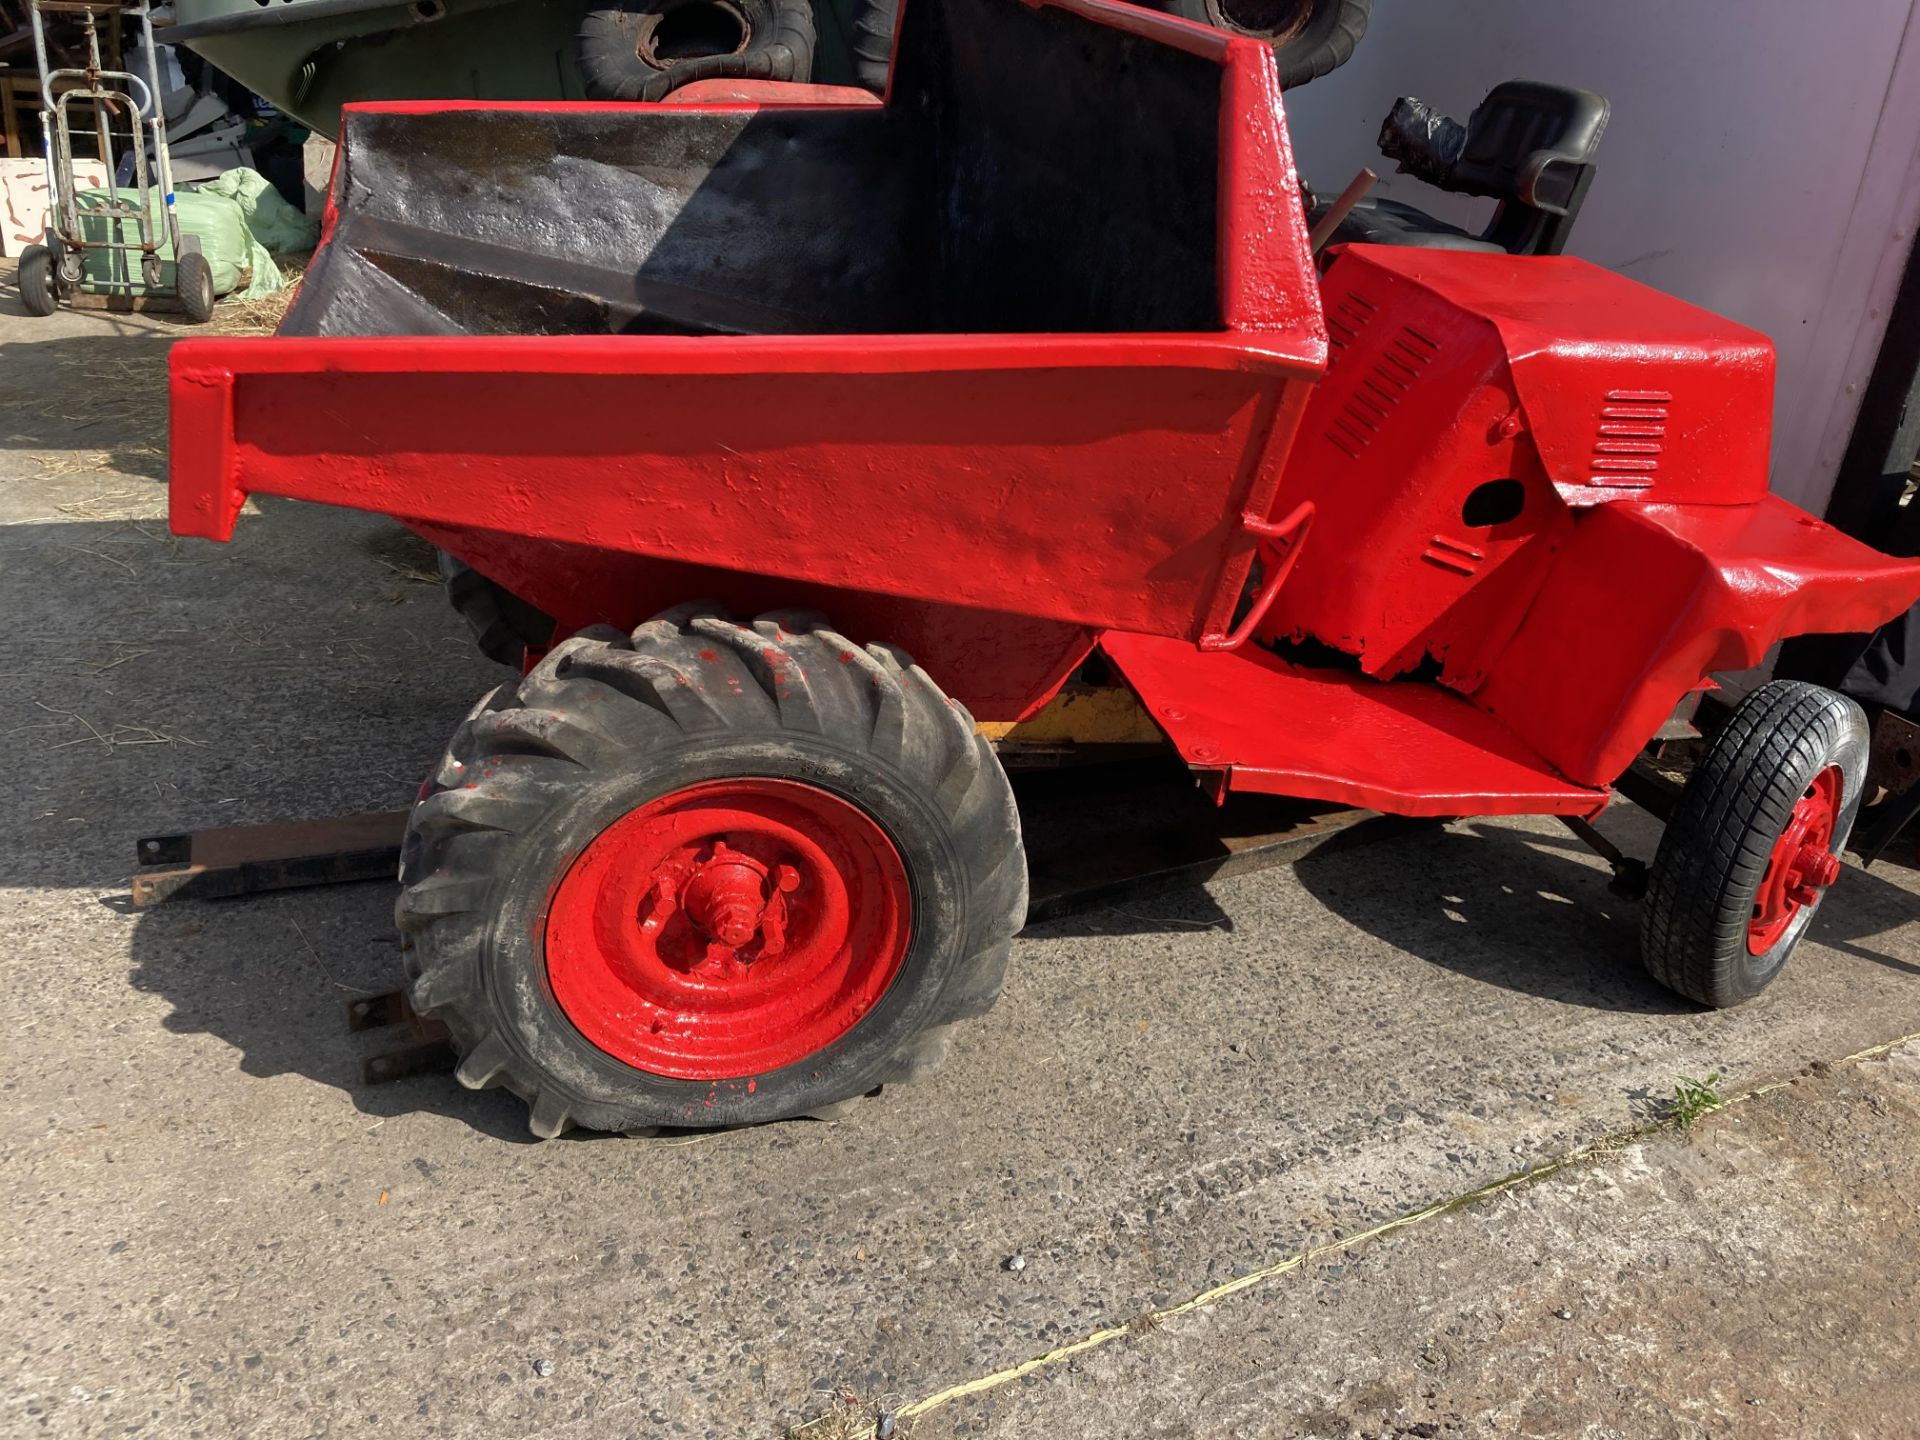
(710, 874)
(1754, 843)
(1309, 37)
(647, 49)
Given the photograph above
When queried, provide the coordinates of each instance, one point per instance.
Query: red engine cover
(1550, 483)
(1472, 403)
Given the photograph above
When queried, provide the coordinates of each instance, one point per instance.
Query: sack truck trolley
(51, 272)
(1027, 372)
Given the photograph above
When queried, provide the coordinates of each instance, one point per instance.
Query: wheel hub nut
(727, 896)
(1817, 869)
(1821, 869)
(729, 900)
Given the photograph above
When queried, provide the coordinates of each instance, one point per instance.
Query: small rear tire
(1754, 843)
(193, 283)
(36, 282)
(709, 874)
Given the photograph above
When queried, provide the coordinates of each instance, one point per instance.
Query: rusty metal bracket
(1893, 763)
(1893, 784)
(1629, 875)
(247, 859)
(1652, 791)
(425, 1049)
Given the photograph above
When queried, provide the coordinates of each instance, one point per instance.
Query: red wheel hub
(728, 929)
(1802, 864)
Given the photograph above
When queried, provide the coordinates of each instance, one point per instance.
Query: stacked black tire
(647, 49)
(1309, 37)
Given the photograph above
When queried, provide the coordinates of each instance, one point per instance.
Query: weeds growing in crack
(1692, 1099)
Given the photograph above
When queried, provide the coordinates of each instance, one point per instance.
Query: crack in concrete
(1152, 1319)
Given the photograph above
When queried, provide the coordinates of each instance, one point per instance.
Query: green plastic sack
(240, 263)
(277, 225)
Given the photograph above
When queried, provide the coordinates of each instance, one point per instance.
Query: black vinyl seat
(1528, 145)
(1390, 222)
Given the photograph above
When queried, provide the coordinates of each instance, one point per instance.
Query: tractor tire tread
(597, 697)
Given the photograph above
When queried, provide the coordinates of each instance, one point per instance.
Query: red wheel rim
(728, 929)
(1802, 864)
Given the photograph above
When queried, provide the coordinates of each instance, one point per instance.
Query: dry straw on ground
(240, 316)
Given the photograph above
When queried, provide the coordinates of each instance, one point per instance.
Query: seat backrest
(1520, 125)
(1528, 145)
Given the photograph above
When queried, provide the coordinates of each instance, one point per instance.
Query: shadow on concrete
(96, 401)
(1861, 907)
(311, 669)
(272, 976)
(1530, 912)
(1519, 909)
(156, 685)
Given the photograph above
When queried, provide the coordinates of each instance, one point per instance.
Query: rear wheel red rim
(1802, 864)
(728, 929)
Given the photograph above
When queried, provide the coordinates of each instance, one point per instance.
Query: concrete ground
(215, 1229)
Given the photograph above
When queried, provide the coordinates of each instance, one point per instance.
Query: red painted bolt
(773, 921)
(666, 900)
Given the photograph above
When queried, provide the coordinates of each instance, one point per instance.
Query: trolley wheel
(709, 874)
(151, 271)
(193, 282)
(504, 625)
(1309, 37)
(1754, 843)
(36, 282)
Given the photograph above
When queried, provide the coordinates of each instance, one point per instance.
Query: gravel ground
(216, 1229)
